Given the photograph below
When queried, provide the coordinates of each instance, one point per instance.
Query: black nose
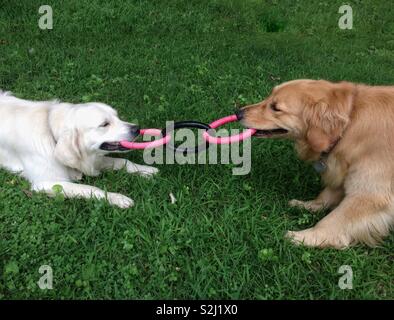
(134, 129)
(240, 114)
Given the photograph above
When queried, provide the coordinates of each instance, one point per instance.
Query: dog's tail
(5, 93)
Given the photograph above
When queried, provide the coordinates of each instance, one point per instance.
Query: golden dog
(348, 131)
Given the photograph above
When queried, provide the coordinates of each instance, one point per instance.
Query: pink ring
(147, 145)
(225, 140)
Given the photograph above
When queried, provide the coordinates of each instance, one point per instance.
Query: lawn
(176, 60)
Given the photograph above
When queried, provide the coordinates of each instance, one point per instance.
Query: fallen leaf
(172, 197)
(28, 193)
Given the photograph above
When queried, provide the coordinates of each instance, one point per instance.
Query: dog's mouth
(112, 146)
(270, 133)
(116, 146)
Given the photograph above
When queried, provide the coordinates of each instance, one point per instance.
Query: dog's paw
(308, 205)
(146, 171)
(119, 200)
(75, 175)
(314, 237)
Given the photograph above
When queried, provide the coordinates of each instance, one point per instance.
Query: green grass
(162, 60)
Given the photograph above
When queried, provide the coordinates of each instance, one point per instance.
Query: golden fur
(355, 124)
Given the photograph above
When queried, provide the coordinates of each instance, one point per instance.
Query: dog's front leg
(74, 190)
(328, 198)
(362, 218)
(118, 164)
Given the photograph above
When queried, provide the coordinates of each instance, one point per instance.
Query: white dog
(53, 143)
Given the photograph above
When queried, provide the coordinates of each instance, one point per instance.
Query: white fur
(54, 143)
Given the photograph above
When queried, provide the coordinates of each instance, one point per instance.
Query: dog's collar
(321, 165)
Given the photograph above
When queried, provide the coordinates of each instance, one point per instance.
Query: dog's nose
(134, 129)
(240, 114)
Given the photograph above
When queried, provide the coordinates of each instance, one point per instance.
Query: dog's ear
(67, 150)
(67, 139)
(327, 118)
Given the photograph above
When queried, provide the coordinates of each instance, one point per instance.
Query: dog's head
(312, 112)
(86, 130)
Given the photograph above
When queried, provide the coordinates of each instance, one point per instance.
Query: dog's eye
(104, 124)
(274, 107)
